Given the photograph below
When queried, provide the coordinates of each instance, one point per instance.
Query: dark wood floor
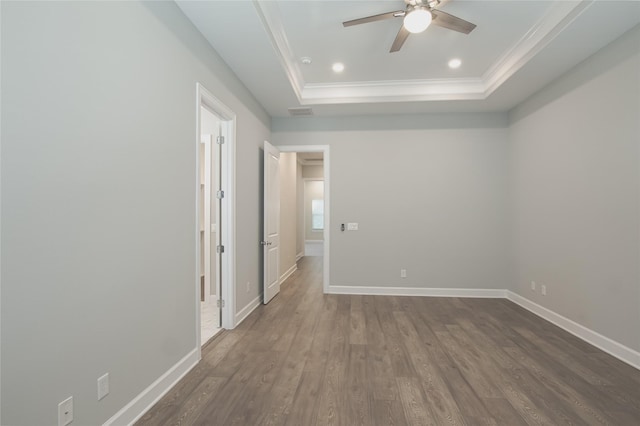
(314, 359)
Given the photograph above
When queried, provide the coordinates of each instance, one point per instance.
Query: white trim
(418, 291)
(314, 241)
(288, 273)
(299, 255)
(610, 346)
(135, 409)
(604, 343)
(269, 14)
(326, 150)
(251, 306)
(393, 91)
(204, 98)
(558, 17)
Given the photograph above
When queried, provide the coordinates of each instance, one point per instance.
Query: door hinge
(220, 140)
(220, 195)
(220, 249)
(220, 303)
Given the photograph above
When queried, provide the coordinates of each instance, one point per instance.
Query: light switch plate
(352, 226)
(65, 412)
(103, 386)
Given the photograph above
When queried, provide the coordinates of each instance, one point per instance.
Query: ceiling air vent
(301, 111)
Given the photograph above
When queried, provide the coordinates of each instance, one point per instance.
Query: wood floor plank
(388, 413)
(438, 397)
(500, 364)
(358, 410)
(357, 332)
(305, 403)
(331, 408)
(468, 361)
(308, 358)
(197, 401)
(413, 402)
(502, 412)
(380, 373)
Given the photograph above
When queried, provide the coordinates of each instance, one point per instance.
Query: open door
(271, 237)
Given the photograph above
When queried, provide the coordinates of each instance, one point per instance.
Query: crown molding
(270, 16)
(392, 90)
(558, 17)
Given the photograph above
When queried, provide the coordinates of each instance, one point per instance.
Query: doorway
(215, 240)
(209, 209)
(304, 152)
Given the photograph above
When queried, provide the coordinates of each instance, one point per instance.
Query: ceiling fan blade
(373, 18)
(400, 39)
(443, 19)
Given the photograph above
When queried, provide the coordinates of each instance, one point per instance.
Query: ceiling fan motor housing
(428, 3)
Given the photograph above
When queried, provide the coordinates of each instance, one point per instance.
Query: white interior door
(271, 237)
(205, 225)
(216, 219)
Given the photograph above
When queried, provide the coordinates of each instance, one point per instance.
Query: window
(317, 215)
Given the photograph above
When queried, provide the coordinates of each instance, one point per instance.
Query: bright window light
(317, 215)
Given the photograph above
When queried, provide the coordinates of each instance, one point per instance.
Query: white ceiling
(517, 48)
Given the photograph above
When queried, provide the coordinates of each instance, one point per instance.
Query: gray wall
(98, 200)
(312, 172)
(432, 200)
(576, 193)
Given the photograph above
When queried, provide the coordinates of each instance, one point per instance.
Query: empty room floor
(308, 358)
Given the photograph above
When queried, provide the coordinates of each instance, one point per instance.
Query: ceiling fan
(417, 16)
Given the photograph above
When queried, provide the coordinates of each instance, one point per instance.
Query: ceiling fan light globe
(417, 20)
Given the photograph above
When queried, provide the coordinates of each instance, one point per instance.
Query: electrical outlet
(403, 273)
(65, 412)
(248, 286)
(103, 386)
(543, 289)
(533, 286)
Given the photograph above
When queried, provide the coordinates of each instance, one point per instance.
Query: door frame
(326, 267)
(226, 222)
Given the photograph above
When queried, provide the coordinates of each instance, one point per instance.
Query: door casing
(226, 221)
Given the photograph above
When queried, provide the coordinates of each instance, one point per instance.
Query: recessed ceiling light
(338, 67)
(455, 63)
(305, 60)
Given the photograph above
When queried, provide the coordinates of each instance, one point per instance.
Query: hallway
(308, 358)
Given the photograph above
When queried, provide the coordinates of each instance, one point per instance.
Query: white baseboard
(411, 291)
(135, 409)
(288, 273)
(299, 255)
(244, 313)
(611, 347)
(618, 350)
